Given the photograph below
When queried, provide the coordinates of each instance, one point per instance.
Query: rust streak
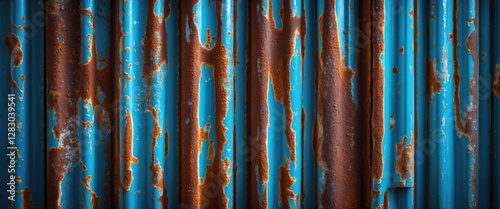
(404, 161)
(14, 46)
(467, 124)
(433, 82)
(342, 124)
(286, 182)
(94, 198)
(27, 201)
(378, 92)
(211, 192)
(128, 155)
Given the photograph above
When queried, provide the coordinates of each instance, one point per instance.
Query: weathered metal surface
(21, 74)
(252, 104)
(393, 125)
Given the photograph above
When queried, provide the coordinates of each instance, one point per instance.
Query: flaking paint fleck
(404, 161)
(433, 82)
(14, 46)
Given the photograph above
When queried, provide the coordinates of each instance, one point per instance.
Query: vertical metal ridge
(494, 72)
(451, 71)
(397, 142)
(341, 132)
(21, 58)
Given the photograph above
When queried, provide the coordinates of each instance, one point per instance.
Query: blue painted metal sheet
(22, 76)
(250, 104)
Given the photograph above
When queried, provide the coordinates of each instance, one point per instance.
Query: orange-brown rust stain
(496, 83)
(467, 125)
(384, 205)
(67, 87)
(157, 173)
(404, 161)
(13, 44)
(23, 28)
(27, 201)
(128, 156)
(394, 70)
(154, 43)
(59, 160)
(378, 92)
(94, 198)
(267, 65)
(188, 94)
(64, 90)
(433, 81)
(341, 146)
(209, 38)
(279, 64)
(205, 135)
(194, 55)
(286, 182)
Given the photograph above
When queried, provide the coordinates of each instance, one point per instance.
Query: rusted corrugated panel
(393, 104)
(22, 110)
(449, 118)
(244, 104)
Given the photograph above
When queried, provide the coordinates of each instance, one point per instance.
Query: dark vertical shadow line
(415, 97)
(494, 5)
(371, 99)
(45, 115)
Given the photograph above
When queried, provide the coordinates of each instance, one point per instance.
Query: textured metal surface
(252, 104)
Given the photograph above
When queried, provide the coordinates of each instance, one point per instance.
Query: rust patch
(378, 92)
(59, 160)
(128, 156)
(154, 44)
(402, 50)
(404, 161)
(211, 192)
(94, 198)
(341, 141)
(467, 126)
(157, 173)
(14, 44)
(286, 182)
(27, 201)
(67, 87)
(496, 83)
(394, 70)
(268, 66)
(433, 81)
(209, 38)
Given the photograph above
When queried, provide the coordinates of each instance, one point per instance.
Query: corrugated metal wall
(247, 104)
